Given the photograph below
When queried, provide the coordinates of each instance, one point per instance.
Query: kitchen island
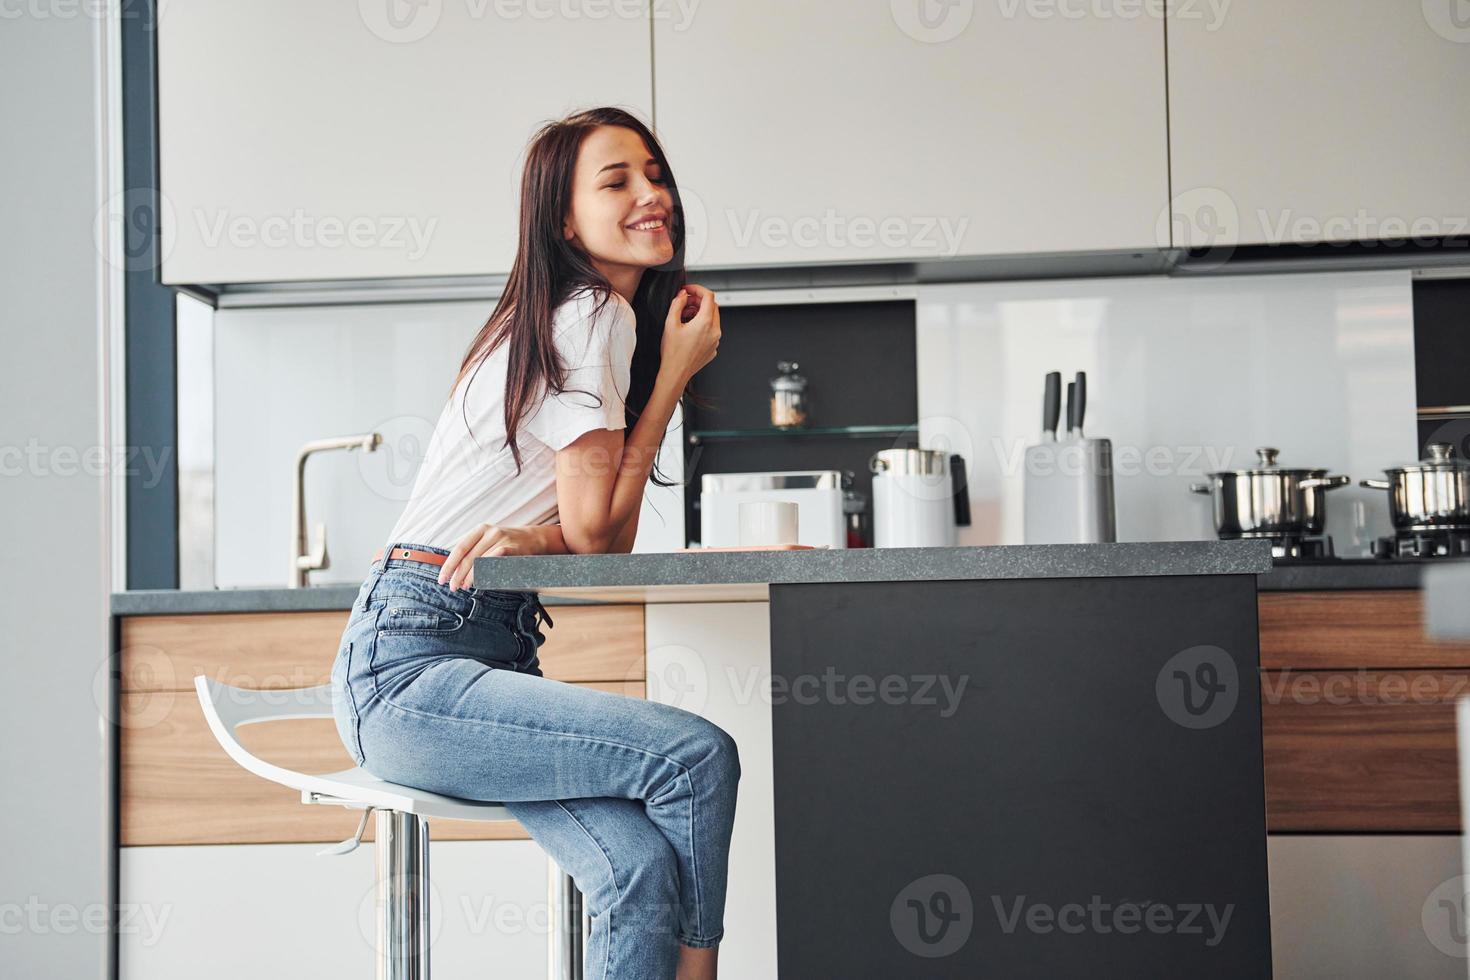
(1011, 761)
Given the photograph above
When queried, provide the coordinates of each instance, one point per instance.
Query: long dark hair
(548, 269)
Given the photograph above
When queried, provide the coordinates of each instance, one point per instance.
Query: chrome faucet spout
(316, 558)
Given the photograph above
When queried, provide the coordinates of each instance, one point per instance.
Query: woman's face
(621, 206)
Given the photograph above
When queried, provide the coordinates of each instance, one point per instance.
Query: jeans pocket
(408, 615)
(344, 705)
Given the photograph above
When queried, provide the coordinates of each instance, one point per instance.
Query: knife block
(1068, 496)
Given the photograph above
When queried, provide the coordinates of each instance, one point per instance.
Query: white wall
(1185, 376)
(53, 495)
(286, 376)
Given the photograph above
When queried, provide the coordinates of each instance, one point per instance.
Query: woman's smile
(655, 223)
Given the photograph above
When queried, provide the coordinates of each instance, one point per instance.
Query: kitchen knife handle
(1051, 406)
(1081, 412)
(1071, 406)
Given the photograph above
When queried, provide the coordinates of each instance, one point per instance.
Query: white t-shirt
(466, 480)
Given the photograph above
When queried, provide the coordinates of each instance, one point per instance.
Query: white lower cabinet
(1367, 907)
(714, 659)
(278, 912)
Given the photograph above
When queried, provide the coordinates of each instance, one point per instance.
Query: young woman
(438, 683)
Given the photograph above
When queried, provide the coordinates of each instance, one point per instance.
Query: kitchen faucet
(303, 561)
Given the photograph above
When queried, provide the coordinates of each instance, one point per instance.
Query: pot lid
(1441, 458)
(1266, 457)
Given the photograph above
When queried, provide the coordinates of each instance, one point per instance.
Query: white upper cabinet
(379, 138)
(1319, 120)
(833, 131)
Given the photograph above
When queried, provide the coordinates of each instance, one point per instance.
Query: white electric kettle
(919, 498)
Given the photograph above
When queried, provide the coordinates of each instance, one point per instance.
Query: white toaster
(817, 494)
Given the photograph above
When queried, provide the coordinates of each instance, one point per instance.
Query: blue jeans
(443, 691)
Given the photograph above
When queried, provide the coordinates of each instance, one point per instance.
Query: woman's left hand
(490, 540)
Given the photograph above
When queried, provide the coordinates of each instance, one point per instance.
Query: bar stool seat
(227, 708)
(402, 835)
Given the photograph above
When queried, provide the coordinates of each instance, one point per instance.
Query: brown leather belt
(413, 554)
(434, 558)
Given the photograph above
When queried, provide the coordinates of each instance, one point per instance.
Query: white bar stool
(402, 833)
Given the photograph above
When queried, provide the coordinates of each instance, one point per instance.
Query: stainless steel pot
(1270, 502)
(1431, 495)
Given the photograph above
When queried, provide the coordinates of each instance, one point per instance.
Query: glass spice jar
(790, 403)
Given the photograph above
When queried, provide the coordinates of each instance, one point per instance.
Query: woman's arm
(600, 478)
(602, 475)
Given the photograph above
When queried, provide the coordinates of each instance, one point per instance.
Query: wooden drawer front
(268, 651)
(1312, 630)
(179, 786)
(1351, 751)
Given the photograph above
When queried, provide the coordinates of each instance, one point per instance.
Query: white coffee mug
(768, 522)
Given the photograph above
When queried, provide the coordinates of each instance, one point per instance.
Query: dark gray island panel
(1063, 779)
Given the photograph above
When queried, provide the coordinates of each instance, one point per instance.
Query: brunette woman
(545, 446)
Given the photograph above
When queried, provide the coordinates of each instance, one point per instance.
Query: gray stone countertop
(175, 602)
(744, 575)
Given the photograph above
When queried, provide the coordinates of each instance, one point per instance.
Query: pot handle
(1326, 483)
(1375, 484)
(1199, 488)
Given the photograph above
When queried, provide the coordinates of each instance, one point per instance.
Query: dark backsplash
(861, 362)
(1442, 360)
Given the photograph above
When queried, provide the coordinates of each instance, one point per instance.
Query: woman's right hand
(690, 342)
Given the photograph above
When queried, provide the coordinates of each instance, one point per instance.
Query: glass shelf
(698, 436)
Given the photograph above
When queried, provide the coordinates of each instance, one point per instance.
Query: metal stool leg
(403, 896)
(566, 931)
